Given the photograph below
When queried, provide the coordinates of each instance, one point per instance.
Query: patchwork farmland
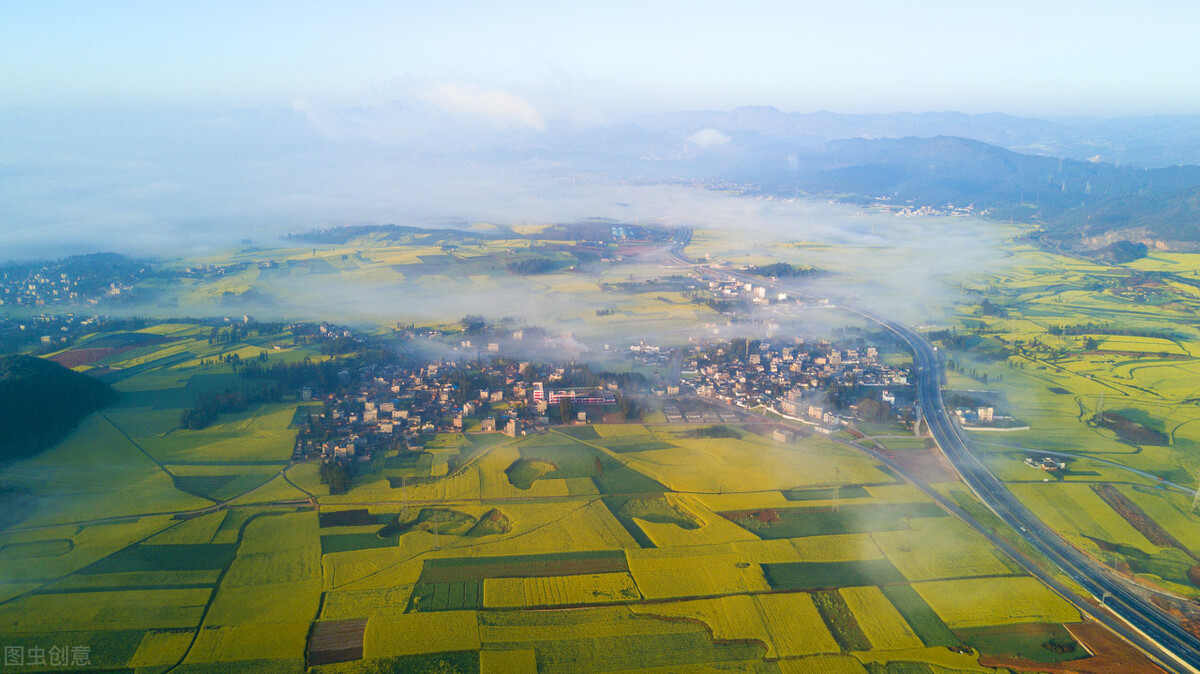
(601, 547)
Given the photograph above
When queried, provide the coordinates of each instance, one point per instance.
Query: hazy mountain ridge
(206, 173)
(1139, 141)
(1080, 205)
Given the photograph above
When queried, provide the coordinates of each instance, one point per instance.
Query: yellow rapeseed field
(976, 602)
(160, 648)
(836, 548)
(689, 572)
(885, 628)
(601, 588)
(620, 430)
(734, 618)
(822, 664)
(391, 633)
(248, 642)
(767, 551)
(507, 662)
(794, 624)
(567, 526)
(940, 548)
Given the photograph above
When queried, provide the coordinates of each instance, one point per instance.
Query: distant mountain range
(1081, 206)
(1087, 182)
(1059, 174)
(1147, 142)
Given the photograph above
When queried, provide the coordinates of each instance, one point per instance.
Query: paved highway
(1144, 624)
(1156, 632)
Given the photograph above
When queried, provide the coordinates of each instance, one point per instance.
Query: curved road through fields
(1141, 622)
(1156, 632)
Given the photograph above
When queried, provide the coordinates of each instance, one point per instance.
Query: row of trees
(1103, 329)
(784, 270)
(211, 405)
(532, 265)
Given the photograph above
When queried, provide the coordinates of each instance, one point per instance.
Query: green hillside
(41, 401)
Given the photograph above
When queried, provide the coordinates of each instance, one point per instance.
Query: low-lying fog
(178, 188)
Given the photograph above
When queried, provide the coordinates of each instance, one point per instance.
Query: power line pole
(404, 498)
(837, 490)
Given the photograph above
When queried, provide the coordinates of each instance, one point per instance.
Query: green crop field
(924, 621)
(1039, 642)
(852, 518)
(812, 575)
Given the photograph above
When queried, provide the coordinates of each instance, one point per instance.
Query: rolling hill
(41, 401)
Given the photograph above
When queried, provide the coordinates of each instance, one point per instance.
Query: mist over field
(187, 187)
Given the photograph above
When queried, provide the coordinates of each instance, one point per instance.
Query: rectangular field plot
(559, 590)
(134, 580)
(524, 660)
(112, 650)
(751, 463)
(351, 518)
(581, 432)
(35, 549)
(165, 558)
(681, 651)
(336, 641)
(361, 541)
(1155, 345)
(842, 623)
(242, 648)
(977, 602)
(794, 624)
(938, 549)
(1040, 642)
(853, 518)
(117, 610)
(619, 430)
(928, 627)
(689, 572)
(393, 633)
(524, 566)
(814, 575)
(1076, 510)
(885, 628)
(161, 648)
(456, 595)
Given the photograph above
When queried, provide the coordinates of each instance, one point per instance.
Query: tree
(473, 324)
(564, 409)
(337, 476)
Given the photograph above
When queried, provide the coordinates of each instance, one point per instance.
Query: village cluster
(397, 406)
(795, 379)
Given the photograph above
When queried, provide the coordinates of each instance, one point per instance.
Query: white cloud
(705, 138)
(315, 117)
(501, 109)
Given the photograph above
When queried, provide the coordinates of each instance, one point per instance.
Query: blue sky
(534, 61)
